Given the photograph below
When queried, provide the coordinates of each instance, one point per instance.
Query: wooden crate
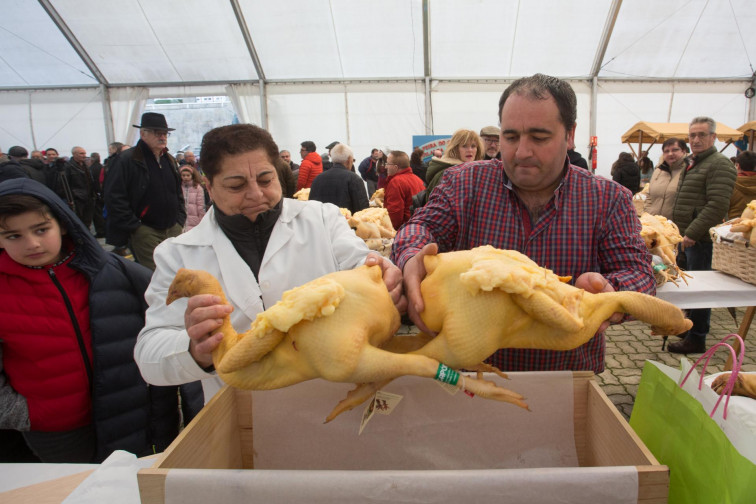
(221, 437)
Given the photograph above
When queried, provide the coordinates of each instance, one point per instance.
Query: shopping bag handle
(737, 364)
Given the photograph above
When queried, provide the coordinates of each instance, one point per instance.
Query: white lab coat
(309, 240)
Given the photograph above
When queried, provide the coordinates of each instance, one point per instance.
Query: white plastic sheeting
(356, 70)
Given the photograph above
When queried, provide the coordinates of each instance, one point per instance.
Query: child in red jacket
(71, 314)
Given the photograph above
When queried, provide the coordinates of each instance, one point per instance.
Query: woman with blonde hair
(464, 146)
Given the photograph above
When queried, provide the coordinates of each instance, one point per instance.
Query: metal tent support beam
(611, 20)
(427, 69)
(255, 61)
(66, 31)
(107, 114)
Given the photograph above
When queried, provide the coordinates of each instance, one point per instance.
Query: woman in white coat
(256, 243)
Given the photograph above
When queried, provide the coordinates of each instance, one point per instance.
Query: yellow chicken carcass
(346, 213)
(372, 223)
(481, 300)
(302, 195)
(746, 222)
(376, 200)
(661, 236)
(745, 384)
(328, 328)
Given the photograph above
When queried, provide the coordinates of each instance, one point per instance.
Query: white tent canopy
(366, 72)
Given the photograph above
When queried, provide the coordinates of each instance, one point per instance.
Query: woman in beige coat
(662, 189)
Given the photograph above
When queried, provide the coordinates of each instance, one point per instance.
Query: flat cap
(489, 131)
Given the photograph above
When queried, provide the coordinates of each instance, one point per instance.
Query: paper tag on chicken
(383, 403)
(451, 389)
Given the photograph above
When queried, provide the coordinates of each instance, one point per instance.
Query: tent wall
(365, 115)
(53, 118)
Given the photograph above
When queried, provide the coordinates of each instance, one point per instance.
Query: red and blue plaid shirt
(589, 225)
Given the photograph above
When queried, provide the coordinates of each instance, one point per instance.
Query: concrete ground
(630, 344)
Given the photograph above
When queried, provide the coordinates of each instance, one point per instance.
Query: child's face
(32, 239)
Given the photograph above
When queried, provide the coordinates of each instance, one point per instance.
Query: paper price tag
(383, 403)
(451, 389)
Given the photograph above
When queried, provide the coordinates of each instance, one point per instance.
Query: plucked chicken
(661, 236)
(328, 328)
(484, 299)
(746, 222)
(340, 326)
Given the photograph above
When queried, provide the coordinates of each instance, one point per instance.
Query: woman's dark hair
(12, 205)
(624, 157)
(675, 141)
(747, 161)
(231, 140)
(416, 158)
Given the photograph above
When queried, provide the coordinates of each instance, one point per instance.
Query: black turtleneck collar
(250, 239)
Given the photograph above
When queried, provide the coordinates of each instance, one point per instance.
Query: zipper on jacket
(77, 328)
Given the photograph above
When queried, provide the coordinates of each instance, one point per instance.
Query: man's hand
(392, 277)
(687, 242)
(203, 316)
(414, 273)
(594, 283)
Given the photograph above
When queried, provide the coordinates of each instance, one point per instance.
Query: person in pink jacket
(194, 196)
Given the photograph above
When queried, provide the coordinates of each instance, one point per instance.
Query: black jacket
(37, 169)
(12, 169)
(342, 187)
(576, 159)
(128, 414)
(628, 175)
(80, 182)
(126, 183)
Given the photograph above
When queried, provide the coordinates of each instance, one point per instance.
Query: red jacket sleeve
(304, 174)
(394, 203)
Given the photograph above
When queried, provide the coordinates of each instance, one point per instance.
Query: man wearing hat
(143, 194)
(11, 168)
(490, 137)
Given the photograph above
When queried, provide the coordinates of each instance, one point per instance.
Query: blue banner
(429, 143)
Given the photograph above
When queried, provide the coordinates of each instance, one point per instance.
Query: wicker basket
(733, 257)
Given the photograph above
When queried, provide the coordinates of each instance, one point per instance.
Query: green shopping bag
(705, 465)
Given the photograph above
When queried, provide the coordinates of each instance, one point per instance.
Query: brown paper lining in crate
(732, 256)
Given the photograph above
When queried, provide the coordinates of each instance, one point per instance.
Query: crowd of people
(517, 186)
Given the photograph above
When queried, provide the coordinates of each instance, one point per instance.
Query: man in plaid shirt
(535, 202)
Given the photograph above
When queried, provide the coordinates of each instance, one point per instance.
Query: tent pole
(107, 115)
(263, 105)
(31, 122)
(428, 108)
(427, 68)
(346, 114)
